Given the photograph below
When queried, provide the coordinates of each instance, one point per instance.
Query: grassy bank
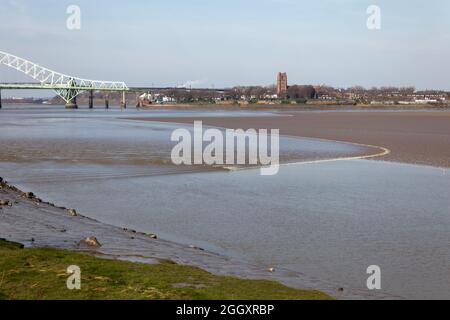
(41, 274)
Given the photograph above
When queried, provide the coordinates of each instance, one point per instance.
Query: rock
(271, 270)
(72, 212)
(29, 195)
(6, 203)
(91, 242)
(152, 236)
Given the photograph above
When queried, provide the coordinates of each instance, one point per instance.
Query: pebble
(91, 242)
(72, 212)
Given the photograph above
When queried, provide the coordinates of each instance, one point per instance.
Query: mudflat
(417, 137)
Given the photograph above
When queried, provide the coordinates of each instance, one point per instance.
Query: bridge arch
(67, 87)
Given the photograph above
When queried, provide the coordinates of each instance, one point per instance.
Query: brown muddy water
(327, 220)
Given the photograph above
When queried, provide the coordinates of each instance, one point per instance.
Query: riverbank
(42, 273)
(415, 137)
(296, 107)
(134, 265)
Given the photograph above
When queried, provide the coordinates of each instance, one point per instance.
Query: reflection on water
(327, 220)
(103, 138)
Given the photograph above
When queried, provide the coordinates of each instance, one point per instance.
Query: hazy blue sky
(230, 42)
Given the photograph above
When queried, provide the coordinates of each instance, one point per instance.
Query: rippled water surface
(327, 220)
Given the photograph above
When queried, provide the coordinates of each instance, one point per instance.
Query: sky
(223, 43)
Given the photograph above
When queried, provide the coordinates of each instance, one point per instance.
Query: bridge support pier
(72, 104)
(91, 99)
(123, 104)
(138, 101)
(0, 98)
(107, 101)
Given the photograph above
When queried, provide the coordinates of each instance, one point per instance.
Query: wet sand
(417, 137)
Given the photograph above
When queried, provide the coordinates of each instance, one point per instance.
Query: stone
(29, 195)
(72, 212)
(271, 270)
(152, 236)
(91, 242)
(6, 203)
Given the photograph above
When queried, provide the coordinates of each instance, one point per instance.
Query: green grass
(41, 274)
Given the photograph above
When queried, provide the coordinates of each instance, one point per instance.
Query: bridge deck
(38, 86)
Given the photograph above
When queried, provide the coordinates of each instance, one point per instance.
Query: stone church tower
(282, 85)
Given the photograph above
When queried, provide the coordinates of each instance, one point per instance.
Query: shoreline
(35, 223)
(255, 107)
(299, 107)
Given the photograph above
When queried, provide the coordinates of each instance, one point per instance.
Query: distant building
(282, 85)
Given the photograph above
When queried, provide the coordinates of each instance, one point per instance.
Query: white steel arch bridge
(67, 87)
